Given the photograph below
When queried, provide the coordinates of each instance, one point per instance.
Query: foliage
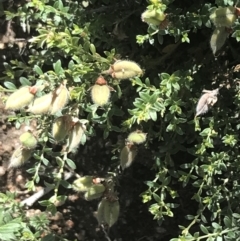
(195, 160)
(15, 225)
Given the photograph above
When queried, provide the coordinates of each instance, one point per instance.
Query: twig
(106, 234)
(36, 196)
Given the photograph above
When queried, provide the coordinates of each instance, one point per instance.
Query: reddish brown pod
(101, 92)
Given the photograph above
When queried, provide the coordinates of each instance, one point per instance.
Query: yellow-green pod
(100, 94)
(28, 140)
(125, 69)
(19, 157)
(127, 156)
(60, 99)
(20, 98)
(82, 184)
(41, 105)
(137, 137)
(101, 211)
(61, 127)
(111, 212)
(94, 192)
(224, 16)
(218, 39)
(75, 136)
(153, 16)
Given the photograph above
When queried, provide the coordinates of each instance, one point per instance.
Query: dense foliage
(193, 162)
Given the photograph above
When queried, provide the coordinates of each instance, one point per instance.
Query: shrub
(175, 53)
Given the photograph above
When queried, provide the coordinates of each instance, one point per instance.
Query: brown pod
(20, 98)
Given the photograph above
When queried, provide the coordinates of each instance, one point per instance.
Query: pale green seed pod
(94, 192)
(218, 39)
(75, 136)
(19, 157)
(153, 16)
(125, 69)
(60, 99)
(224, 16)
(41, 105)
(20, 98)
(137, 137)
(100, 94)
(101, 211)
(82, 184)
(111, 212)
(28, 140)
(127, 156)
(61, 127)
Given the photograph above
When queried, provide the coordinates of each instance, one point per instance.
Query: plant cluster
(79, 77)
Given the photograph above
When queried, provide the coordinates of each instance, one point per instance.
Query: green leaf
(49, 237)
(149, 183)
(71, 164)
(227, 222)
(38, 70)
(45, 161)
(58, 67)
(165, 76)
(216, 225)
(204, 229)
(10, 227)
(10, 85)
(44, 203)
(24, 81)
(144, 96)
(49, 185)
(153, 115)
(65, 184)
(156, 197)
(236, 215)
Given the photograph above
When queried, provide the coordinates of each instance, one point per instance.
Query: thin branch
(36, 196)
(106, 233)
